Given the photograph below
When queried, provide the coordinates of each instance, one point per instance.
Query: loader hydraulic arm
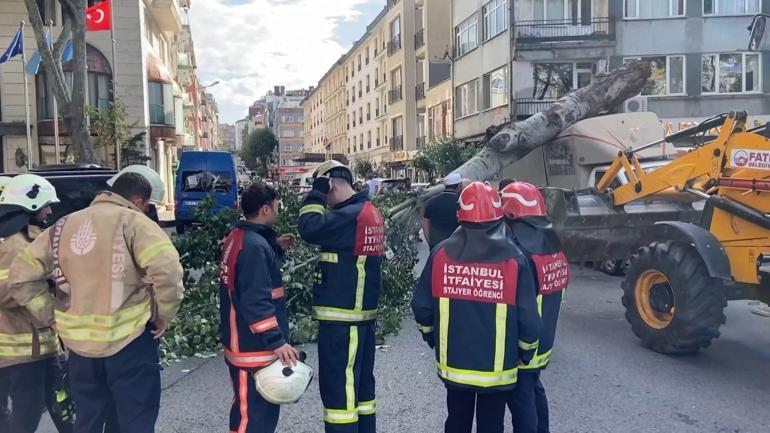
(704, 164)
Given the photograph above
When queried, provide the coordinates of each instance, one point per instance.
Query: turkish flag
(98, 17)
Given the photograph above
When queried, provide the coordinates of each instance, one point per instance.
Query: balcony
(166, 15)
(394, 45)
(419, 39)
(526, 107)
(594, 28)
(419, 91)
(397, 143)
(395, 95)
(420, 142)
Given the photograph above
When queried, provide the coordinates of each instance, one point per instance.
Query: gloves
(428, 338)
(321, 184)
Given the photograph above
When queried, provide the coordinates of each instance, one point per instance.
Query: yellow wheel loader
(698, 237)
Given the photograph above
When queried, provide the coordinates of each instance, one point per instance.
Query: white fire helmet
(4, 181)
(283, 385)
(30, 192)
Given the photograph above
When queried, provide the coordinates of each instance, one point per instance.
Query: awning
(157, 71)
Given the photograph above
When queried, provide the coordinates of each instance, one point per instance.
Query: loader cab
(622, 179)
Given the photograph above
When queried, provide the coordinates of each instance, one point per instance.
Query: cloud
(252, 45)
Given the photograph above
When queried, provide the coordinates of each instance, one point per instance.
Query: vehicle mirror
(757, 30)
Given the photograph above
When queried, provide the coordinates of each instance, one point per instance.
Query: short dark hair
(504, 183)
(131, 186)
(257, 195)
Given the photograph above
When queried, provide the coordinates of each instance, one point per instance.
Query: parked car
(76, 185)
(201, 175)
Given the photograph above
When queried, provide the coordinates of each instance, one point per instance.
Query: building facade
(314, 128)
(227, 134)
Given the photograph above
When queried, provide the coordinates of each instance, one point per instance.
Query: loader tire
(671, 302)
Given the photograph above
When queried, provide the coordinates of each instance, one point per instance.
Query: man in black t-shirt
(440, 219)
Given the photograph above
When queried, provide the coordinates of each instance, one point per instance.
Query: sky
(252, 45)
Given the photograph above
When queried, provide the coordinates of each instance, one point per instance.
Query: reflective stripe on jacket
(351, 236)
(22, 338)
(115, 270)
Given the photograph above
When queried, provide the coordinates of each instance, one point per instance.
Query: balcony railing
(419, 38)
(397, 143)
(594, 28)
(526, 107)
(394, 45)
(395, 95)
(419, 91)
(420, 142)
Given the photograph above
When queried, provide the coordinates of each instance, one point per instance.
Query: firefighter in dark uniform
(475, 304)
(351, 235)
(525, 213)
(254, 328)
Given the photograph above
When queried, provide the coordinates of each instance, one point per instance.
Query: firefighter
(525, 212)
(475, 304)
(118, 286)
(28, 345)
(351, 235)
(253, 326)
(5, 412)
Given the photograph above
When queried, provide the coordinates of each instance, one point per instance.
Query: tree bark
(513, 141)
(72, 102)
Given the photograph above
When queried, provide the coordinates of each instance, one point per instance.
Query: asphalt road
(601, 379)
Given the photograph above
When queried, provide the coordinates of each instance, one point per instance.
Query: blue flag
(16, 47)
(33, 64)
(69, 52)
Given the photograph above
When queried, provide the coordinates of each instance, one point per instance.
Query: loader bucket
(592, 229)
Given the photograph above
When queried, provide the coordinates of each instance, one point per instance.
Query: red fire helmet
(479, 203)
(522, 199)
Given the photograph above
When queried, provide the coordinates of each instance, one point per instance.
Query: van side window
(206, 181)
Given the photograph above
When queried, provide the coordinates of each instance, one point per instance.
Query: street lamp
(210, 85)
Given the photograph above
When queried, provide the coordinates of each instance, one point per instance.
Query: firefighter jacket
(538, 241)
(114, 269)
(251, 297)
(351, 236)
(477, 292)
(22, 338)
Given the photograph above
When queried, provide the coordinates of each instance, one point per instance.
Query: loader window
(598, 176)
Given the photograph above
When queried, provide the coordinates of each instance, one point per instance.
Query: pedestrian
(351, 234)
(481, 277)
(253, 322)
(29, 344)
(440, 218)
(525, 212)
(118, 286)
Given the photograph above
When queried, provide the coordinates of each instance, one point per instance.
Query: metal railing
(397, 143)
(419, 38)
(526, 107)
(394, 45)
(395, 94)
(419, 91)
(593, 28)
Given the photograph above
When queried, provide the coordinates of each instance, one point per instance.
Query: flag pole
(115, 81)
(26, 97)
(57, 148)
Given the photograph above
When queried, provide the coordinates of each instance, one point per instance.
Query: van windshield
(206, 181)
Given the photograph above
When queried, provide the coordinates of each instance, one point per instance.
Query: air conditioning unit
(636, 104)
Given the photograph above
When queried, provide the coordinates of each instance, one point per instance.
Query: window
(206, 181)
(467, 36)
(359, 63)
(161, 99)
(368, 111)
(654, 8)
(369, 139)
(466, 96)
(368, 84)
(395, 28)
(562, 10)
(554, 80)
(496, 88)
(731, 7)
(367, 55)
(668, 74)
(731, 73)
(495, 18)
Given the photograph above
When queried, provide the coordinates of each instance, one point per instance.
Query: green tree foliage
(364, 168)
(258, 148)
(109, 126)
(442, 156)
(195, 331)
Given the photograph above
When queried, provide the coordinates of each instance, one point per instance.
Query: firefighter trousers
(462, 404)
(250, 413)
(346, 377)
(529, 405)
(26, 389)
(130, 380)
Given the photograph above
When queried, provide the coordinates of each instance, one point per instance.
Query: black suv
(76, 185)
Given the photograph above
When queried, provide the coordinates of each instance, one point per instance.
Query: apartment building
(289, 129)
(314, 134)
(700, 66)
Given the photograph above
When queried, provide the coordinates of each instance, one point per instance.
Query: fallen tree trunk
(513, 141)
